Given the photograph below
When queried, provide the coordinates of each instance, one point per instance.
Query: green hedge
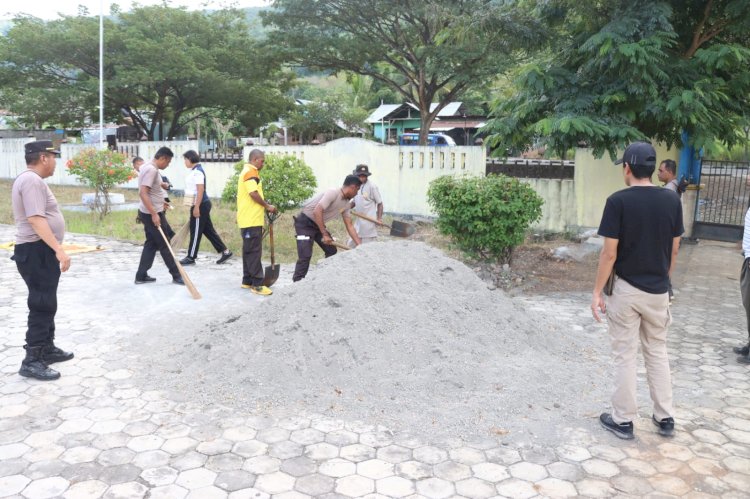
(485, 216)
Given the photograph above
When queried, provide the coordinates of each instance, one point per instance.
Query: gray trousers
(745, 289)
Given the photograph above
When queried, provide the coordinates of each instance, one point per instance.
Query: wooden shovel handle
(365, 217)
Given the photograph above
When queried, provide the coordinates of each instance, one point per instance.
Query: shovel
(398, 229)
(272, 271)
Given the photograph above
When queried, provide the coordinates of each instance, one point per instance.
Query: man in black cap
(368, 202)
(641, 226)
(39, 257)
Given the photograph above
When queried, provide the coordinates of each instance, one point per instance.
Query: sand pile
(397, 333)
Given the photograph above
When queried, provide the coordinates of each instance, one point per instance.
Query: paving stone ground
(96, 432)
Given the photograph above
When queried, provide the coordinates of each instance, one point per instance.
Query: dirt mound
(395, 333)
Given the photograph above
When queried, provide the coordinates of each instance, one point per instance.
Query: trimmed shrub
(287, 182)
(484, 216)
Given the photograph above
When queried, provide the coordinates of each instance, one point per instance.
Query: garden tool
(272, 271)
(398, 229)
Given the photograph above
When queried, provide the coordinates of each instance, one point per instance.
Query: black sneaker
(187, 261)
(224, 257)
(145, 280)
(178, 280)
(621, 430)
(666, 426)
(742, 350)
(743, 359)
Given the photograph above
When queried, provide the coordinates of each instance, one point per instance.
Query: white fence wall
(12, 163)
(403, 174)
(559, 208)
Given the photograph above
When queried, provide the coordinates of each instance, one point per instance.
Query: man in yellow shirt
(251, 210)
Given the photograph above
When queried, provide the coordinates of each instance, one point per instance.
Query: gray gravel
(395, 333)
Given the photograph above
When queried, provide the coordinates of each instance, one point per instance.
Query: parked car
(433, 139)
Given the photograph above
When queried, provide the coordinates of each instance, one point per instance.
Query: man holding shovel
(251, 210)
(368, 202)
(310, 224)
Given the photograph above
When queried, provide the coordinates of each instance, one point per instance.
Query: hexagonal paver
(357, 453)
(375, 469)
(224, 462)
(168, 492)
(321, 451)
(354, 486)
(308, 436)
(490, 472)
(600, 468)
(452, 471)
(188, 461)
(46, 487)
(669, 484)
(414, 470)
(475, 488)
(85, 490)
(430, 455)
(239, 433)
(554, 487)
(127, 489)
(528, 471)
(435, 488)
(337, 468)
(502, 455)
(315, 484)
(466, 455)
(179, 445)
(675, 451)
(299, 466)
(113, 457)
(394, 454)
(157, 477)
(261, 465)
(12, 484)
(273, 435)
(145, 442)
(151, 459)
(595, 488)
(275, 483)
(513, 487)
(250, 448)
(215, 447)
(196, 478)
(235, 480)
(341, 438)
(285, 450)
(80, 454)
(394, 486)
(573, 453)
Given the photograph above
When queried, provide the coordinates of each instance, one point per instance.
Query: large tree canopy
(619, 71)
(163, 66)
(426, 50)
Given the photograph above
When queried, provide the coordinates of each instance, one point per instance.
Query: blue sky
(49, 9)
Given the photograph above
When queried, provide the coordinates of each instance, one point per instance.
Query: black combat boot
(52, 354)
(33, 366)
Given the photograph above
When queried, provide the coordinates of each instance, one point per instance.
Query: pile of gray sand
(396, 333)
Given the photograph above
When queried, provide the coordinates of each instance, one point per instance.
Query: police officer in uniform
(39, 257)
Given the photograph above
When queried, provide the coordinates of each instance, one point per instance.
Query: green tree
(615, 71)
(287, 182)
(164, 67)
(425, 50)
(313, 118)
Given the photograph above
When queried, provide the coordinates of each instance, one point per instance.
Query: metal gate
(722, 200)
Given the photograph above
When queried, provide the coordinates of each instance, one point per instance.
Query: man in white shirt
(744, 351)
(368, 202)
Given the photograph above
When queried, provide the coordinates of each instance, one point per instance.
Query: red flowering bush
(101, 170)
